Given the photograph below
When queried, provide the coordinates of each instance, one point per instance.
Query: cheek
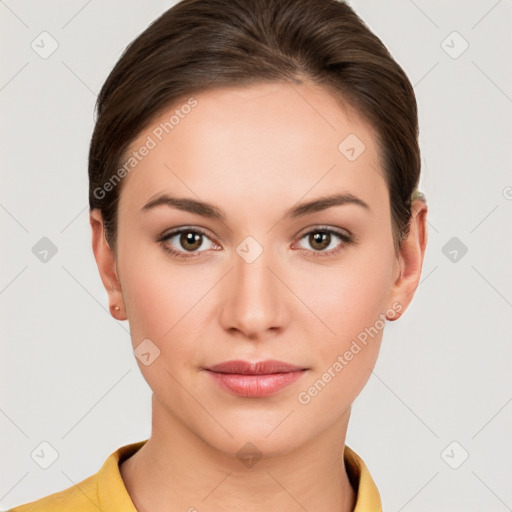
(348, 298)
(160, 298)
(161, 306)
(350, 303)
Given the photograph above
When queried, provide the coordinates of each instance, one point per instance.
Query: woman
(256, 218)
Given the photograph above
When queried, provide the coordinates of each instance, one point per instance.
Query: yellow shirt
(106, 491)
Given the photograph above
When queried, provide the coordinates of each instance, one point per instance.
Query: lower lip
(255, 386)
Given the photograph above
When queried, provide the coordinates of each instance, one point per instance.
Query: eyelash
(346, 240)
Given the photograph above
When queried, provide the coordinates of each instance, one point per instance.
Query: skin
(254, 152)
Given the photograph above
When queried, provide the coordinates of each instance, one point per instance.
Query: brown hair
(201, 44)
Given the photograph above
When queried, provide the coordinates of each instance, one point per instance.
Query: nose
(253, 296)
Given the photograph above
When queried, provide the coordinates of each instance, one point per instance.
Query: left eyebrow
(323, 203)
(211, 211)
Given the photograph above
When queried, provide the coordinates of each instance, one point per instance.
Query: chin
(264, 438)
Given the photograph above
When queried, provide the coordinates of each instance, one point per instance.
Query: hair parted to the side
(202, 44)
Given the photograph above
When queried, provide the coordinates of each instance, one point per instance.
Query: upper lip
(256, 368)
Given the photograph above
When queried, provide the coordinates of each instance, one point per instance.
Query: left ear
(410, 258)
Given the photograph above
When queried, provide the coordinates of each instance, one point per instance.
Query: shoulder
(79, 497)
(105, 490)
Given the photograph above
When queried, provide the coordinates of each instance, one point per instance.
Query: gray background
(441, 389)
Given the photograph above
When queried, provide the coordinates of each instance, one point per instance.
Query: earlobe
(410, 258)
(107, 266)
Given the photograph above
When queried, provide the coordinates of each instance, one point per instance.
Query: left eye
(322, 239)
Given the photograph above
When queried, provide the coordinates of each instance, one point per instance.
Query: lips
(258, 368)
(253, 380)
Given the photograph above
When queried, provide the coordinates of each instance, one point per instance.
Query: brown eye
(190, 240)
(320, 240)
(323, 241)
(184, 243)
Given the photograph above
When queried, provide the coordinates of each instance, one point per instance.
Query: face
(254, 276)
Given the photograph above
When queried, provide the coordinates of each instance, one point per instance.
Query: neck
(176, 470)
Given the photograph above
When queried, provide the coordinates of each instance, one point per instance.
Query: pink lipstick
(255, 380)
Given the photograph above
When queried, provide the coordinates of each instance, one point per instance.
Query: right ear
(106, 261)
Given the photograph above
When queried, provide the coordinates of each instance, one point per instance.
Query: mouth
(255, 380)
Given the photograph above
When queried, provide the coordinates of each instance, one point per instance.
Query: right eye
(187, 240)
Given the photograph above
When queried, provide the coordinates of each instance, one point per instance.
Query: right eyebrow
(188, 205)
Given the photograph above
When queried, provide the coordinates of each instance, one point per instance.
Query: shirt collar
(113, 495)
(368, 497)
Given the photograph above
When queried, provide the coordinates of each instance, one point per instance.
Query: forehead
(274, 140)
